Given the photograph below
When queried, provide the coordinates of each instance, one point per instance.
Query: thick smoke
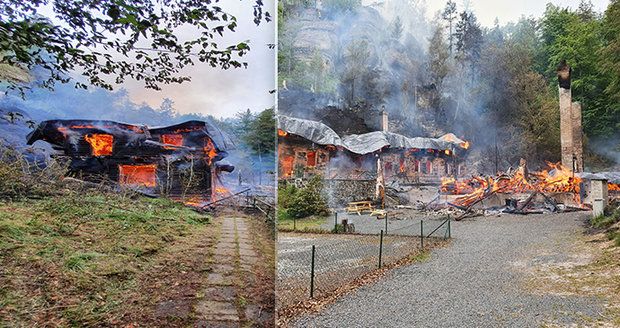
(378, 56)
(368, 58)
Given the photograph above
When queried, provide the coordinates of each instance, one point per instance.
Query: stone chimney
(384, 119)
(571, 138)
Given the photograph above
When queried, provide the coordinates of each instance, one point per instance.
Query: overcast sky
(508, 11)
(222, 93)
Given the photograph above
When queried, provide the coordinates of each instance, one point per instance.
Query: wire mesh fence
(315, 265)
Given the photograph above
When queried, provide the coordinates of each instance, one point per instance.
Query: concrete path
(225, 302)
(480, 280)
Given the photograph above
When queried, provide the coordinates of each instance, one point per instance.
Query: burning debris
(177, 161)
(555, 189)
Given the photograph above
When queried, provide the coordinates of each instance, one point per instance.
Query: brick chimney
(384, 119)
(571, 138)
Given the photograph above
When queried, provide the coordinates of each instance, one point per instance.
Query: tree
(244, 120)
(356, 58)
(610, 59)
(396, 29)
(449, 14)
(117, 39)
(438, 57)
(469, 40)
(261, 134)
(334, 6)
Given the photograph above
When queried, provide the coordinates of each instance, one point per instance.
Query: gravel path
(480, 280)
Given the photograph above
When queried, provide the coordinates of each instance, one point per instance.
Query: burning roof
(181, 159)
(56, 132)
(366, 143)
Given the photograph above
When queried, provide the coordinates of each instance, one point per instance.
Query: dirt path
(226, 301)
(481, 280)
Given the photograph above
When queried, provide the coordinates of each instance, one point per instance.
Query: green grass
(608, 222)
(87, 250)
(424, 255)
(305, 224)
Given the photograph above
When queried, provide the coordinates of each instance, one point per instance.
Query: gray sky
(221, 93)
(508, 11)
(225, 92)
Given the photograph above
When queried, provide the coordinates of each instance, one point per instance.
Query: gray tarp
(370, 142)
(314, 131)
(362, 144)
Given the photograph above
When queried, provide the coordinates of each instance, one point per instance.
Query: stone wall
(339, 192)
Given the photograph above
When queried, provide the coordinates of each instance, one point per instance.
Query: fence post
(449, 232)
(386, 222)
(422, 233)
(335, 222)
(380, 248)
(294, 223)
(312, 274)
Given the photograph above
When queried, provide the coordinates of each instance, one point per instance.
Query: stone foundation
(339, 192)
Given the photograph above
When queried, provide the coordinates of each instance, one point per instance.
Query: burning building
(307, 147)
(177, 160)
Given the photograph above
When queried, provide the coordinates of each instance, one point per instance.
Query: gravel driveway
(478, 281)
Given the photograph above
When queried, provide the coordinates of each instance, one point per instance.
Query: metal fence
(315, 265)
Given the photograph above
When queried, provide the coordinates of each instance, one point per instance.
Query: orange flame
(101, 144)
(209, 150)
(282, 133)
(172, 139)
(556, 179)
(137, 175)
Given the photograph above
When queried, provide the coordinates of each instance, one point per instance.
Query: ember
(172, 140)
(101, 144)
(137, 175)
(556, 179)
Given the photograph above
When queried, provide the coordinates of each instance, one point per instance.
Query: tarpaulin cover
(370, 142)
(362, 144)
(314, 131)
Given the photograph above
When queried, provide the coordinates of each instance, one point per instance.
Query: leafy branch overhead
(108, 41)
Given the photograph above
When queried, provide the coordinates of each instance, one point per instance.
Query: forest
(495, 86)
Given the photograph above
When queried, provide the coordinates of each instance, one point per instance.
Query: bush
(294, 202)
(611, 216)
(21, 178)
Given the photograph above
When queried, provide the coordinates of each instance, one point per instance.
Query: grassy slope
(84, 260)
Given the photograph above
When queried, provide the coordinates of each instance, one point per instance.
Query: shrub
(294, 202)
(309, 200)
(20, 177)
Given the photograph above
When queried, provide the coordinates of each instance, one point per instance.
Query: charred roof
(55, 131)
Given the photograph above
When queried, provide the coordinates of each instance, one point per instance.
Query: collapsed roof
(361, 144)
(52, 131)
